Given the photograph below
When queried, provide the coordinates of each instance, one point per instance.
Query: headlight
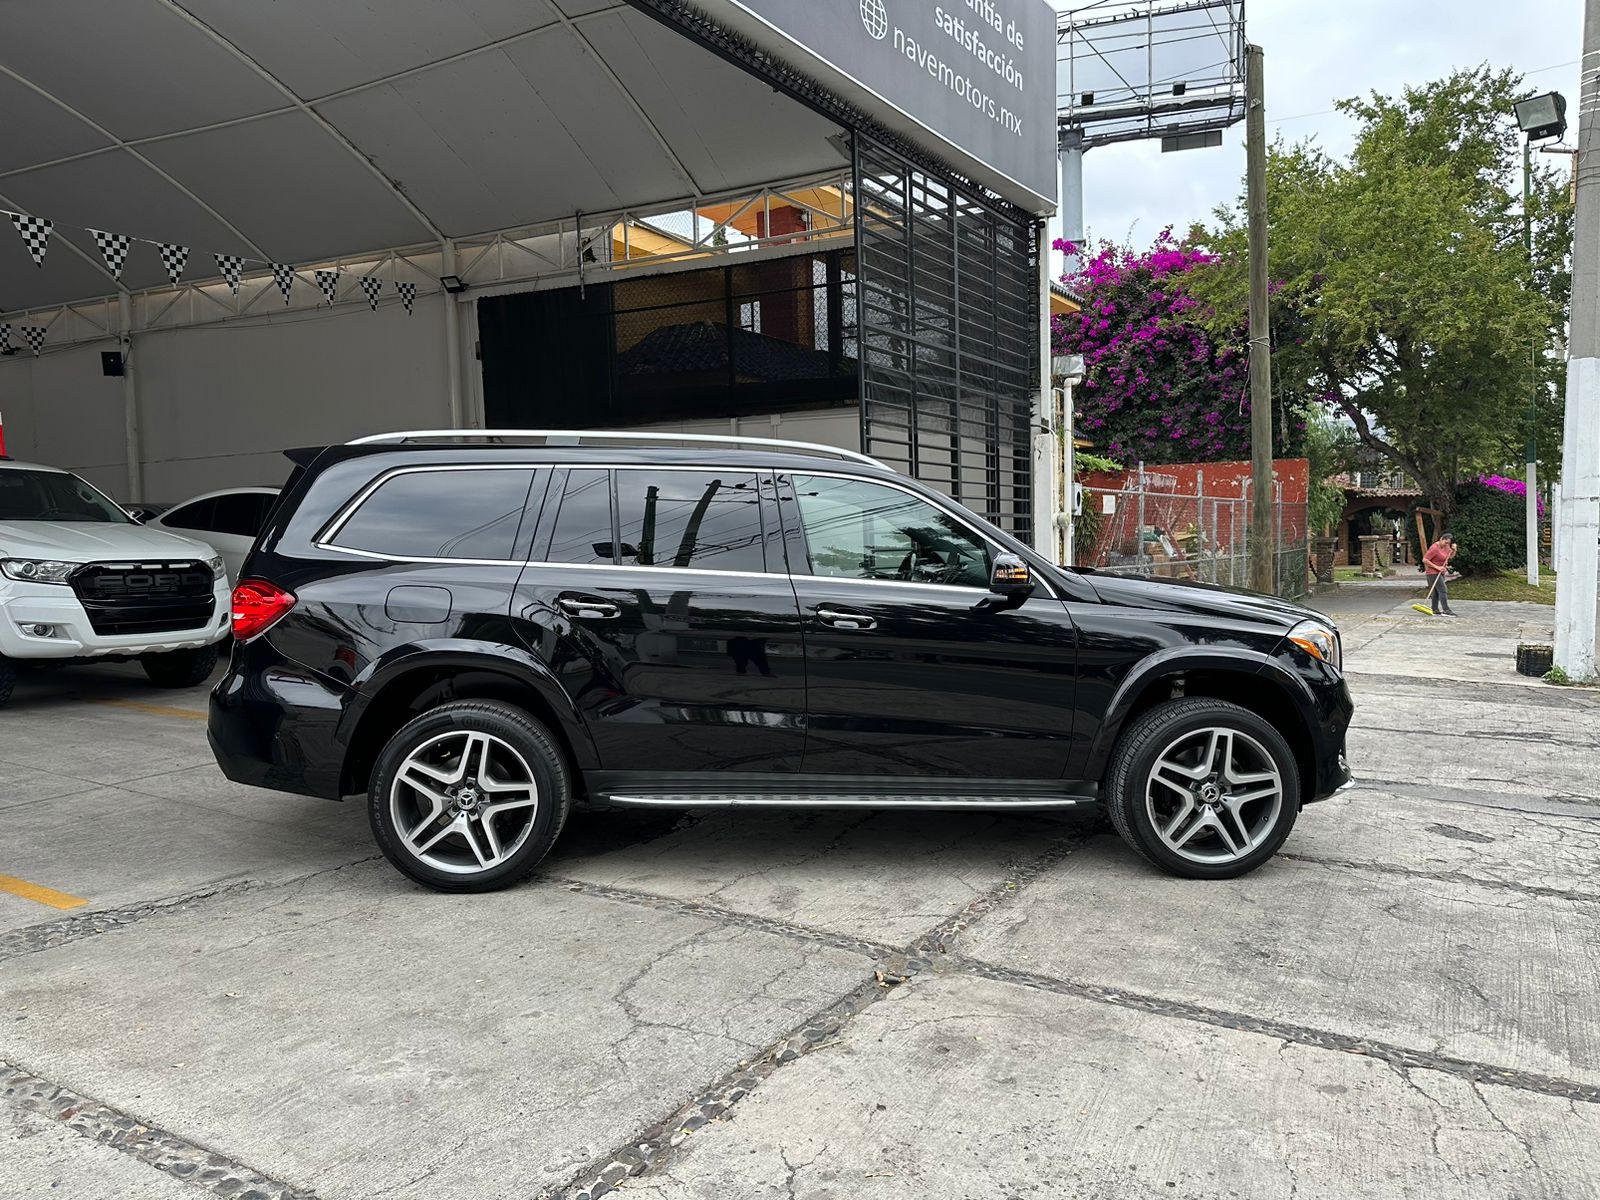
(218, 570)
(38, 570)
(1319, 640)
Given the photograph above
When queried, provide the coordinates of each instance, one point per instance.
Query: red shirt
(1438, 557)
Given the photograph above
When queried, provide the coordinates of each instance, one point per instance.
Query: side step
(815, 800)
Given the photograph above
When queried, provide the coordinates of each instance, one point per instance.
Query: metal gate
(948, 303)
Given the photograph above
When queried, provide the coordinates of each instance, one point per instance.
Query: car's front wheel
(1203, 788)
(469, 796)
(8, 680)
(180, 668)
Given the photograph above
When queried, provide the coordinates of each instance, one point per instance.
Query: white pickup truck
(81, 579)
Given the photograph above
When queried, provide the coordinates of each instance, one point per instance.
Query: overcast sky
(1316, 53)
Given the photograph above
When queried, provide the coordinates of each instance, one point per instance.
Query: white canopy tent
(511, 143)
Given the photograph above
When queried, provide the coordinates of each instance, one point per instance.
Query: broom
(1425, 604)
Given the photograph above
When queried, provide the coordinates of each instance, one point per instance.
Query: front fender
(1265, 670)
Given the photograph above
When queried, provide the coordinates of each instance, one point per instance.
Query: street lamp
(1540, 118)
(1543, 116)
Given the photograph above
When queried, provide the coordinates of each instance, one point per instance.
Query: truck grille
(145, 597)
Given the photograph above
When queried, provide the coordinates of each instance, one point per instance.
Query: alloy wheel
(464, 802)
(1214, 795)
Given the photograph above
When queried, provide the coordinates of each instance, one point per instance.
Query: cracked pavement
(818, 1006)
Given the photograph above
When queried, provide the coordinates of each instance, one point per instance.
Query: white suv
(81, 579)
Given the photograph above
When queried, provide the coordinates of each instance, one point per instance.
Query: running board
(813, 800)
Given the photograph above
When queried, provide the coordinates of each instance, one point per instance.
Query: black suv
(480, 630)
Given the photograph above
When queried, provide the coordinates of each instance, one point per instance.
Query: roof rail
(577, 437)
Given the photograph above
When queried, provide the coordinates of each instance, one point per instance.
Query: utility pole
(1580, 452)
(1263, 534)
(1531, 449)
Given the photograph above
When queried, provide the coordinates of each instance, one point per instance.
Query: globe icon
(876, 18)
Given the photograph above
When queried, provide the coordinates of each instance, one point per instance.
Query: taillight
(257, 605)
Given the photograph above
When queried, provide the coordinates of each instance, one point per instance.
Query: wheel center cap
(1210, 793)
(467, 799)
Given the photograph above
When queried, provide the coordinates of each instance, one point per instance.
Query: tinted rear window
(583, 526)
(707, 520)
(450, 513)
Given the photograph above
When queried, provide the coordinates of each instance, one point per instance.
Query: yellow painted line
(160, 710)
(40, 895)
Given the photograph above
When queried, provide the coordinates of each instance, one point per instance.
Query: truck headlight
(218, 569)
(1320, 640)
(37, 570)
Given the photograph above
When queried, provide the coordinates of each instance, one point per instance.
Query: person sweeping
(1436, 562)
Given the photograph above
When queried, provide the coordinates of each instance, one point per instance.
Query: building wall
(220, 403)
(827, 427)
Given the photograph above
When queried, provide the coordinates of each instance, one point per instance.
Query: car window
(855, 529)
(240, 513)
(27, 495)
(197, 515)
(709, 520)
(582, 531)
(441, 514)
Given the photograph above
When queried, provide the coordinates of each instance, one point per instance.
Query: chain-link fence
(1162, 524)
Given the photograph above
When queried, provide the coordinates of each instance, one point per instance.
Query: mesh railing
(1156, 524)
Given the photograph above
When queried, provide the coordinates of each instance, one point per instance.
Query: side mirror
(1011, 577)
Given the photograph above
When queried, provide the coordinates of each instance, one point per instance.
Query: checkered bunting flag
(35, 233)
(408, 295)
(35, 336)
(175, 258)
(328, 281)
(283, 276)
(230, 265)
(373, 287)
(5, 337)
(113, 248)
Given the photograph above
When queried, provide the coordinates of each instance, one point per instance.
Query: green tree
(1329, 452)
(1407, 301)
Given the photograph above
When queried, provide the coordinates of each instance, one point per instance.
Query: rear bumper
(273, 724)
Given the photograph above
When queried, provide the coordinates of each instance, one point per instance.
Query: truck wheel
(1203, 788)
(8, 680)
(469, 796)
(180, 668)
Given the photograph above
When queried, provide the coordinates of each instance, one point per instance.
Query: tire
(1238, 820)
(180, 668)
(433, 800)
(8, 680)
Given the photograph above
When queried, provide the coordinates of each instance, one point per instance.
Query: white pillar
(452, 341)
(132, 440)
(1045, 478)
(1070, 156)
(1532, 518)
(1580, 450)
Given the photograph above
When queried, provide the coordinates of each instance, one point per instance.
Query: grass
(1506, 585)
(1346, 574)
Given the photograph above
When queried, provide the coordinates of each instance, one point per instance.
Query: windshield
(54, 496)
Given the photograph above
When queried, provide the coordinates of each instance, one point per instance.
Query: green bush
(1489, 529)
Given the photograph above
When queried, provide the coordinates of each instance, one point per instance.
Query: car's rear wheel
(1203, 788)
(469, 796)
(180, 668)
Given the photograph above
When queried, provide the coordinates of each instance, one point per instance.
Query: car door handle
(590, 610)
(846, 620)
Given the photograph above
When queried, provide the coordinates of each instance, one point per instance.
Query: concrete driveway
(205, 988)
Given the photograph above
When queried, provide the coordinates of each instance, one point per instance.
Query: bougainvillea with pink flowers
(1157, 386)
(1514, 487)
